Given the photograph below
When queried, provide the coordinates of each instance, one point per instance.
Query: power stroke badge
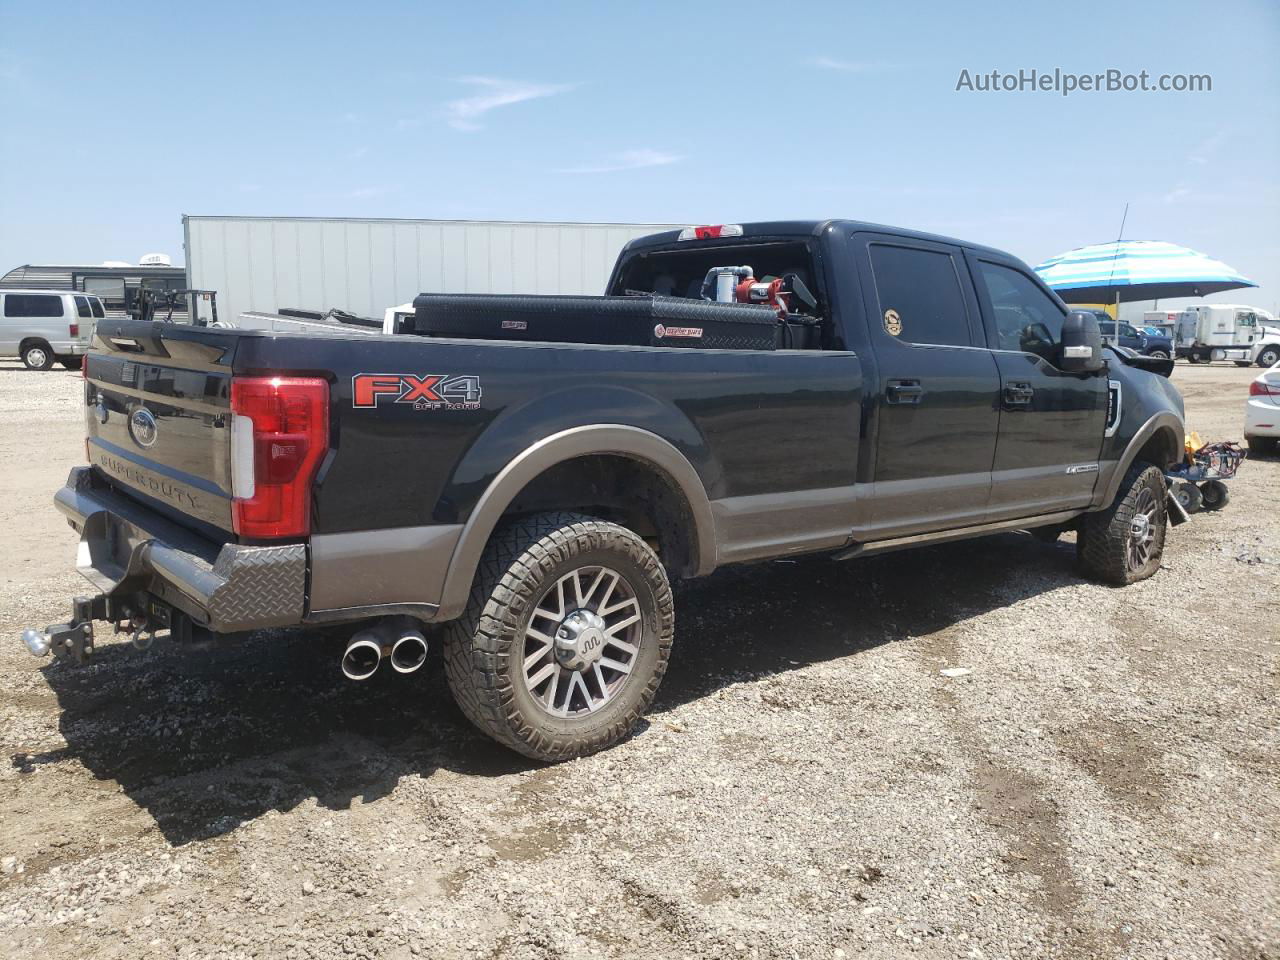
(433, 391)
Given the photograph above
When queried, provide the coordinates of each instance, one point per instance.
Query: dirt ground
(1104, 783)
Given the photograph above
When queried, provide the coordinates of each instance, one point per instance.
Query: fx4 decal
(430, 392)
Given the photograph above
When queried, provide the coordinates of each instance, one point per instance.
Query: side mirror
(1081, 343)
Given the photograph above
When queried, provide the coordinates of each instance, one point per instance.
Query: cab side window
(1026, 318)
(920, 296)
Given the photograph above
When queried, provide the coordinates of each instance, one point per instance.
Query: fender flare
(582, 441)
(1165, 420)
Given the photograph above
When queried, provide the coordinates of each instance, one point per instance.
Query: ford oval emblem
(142, 427)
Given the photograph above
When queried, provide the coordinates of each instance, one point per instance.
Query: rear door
(1051, 422)
(936, 396)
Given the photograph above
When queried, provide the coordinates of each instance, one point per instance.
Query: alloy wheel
(581, 641)
(1142, 530)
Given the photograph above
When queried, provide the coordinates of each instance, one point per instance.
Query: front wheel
(1158, 355)
(1269, 357)
(1124, 543)
(565, 638)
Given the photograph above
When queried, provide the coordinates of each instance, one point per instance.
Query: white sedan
(1262, 412)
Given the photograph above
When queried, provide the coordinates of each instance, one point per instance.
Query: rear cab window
(83, 309)
(96, 306)
(920, 295)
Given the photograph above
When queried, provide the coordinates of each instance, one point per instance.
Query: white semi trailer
(1217, 331)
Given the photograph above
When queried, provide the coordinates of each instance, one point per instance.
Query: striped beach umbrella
(1136, 270)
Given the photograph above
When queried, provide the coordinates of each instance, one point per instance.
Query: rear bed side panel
(756, 427)
(751, 423)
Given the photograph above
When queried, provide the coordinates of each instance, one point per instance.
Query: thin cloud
(627, 160)
(845, 66)
(491, 93)
(1176, 194)
(1207, 147)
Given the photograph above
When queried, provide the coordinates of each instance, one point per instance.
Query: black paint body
(914, 437)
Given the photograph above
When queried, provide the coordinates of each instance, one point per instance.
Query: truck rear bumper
(127, 548)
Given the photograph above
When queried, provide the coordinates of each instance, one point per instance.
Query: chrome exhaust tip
(409, 652)
(363, 654)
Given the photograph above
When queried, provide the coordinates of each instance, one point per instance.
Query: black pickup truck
(529, 472)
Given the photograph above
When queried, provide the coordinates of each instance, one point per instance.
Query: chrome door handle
(1018, 394)
(903, 391)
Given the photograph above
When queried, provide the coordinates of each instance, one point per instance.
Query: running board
(957, 533)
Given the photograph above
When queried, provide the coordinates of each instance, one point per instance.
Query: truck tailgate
(158, 419)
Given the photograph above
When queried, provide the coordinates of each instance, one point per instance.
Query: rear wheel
(565, 638)
(1124, 543)
(1263, 445)
(37, 355)
(1214, 495)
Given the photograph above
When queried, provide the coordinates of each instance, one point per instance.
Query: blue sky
(120, 118)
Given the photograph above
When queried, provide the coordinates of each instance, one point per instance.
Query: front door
(936, 390)
(1051, 421)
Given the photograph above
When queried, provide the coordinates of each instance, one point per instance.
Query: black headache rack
(652, 321)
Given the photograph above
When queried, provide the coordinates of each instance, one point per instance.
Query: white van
(43, 326)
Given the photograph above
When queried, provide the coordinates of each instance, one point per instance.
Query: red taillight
(284, 425)
(74, 329)
(1260, 388)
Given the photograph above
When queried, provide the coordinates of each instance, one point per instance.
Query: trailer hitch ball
(37, 642)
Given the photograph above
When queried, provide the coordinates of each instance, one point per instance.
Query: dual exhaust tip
(404, 647)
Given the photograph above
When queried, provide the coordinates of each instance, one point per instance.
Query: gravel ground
(1103, 783)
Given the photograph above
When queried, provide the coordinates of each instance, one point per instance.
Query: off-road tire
(482, 649)
(1263, 445)
(37, 355)
(1103, 544)
(1214, 495)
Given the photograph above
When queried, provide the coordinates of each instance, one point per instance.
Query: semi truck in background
(1217, 331)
